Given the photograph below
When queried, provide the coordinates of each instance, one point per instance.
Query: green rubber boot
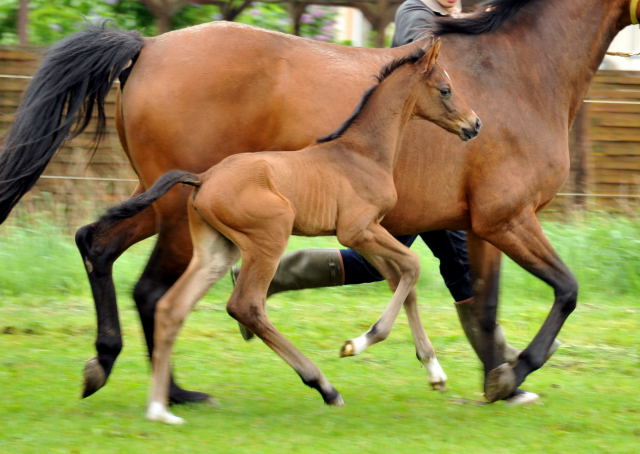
(307, 268)
(471, 327)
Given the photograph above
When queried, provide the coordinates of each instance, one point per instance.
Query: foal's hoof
(94, 377)
(348, 349)
(245, 332)
(437, 377)
(500, 383)
(157, 412)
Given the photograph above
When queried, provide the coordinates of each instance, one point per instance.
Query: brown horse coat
(196, 95)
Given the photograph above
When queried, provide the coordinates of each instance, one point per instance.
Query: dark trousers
(448, 246)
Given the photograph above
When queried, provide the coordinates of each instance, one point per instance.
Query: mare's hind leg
(212, 257)
(400, 266)
(100, 244)
(523, 240)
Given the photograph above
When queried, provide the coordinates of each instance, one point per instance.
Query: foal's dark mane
(489, 16)
(385, 72)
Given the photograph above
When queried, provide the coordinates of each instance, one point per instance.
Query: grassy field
(589, 389)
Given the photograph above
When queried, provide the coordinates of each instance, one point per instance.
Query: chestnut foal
(248, 205)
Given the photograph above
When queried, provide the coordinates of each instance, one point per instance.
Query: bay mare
(196, 95)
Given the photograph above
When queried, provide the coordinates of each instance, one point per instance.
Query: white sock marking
(157, 411)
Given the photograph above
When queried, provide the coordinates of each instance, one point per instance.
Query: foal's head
(437, 100)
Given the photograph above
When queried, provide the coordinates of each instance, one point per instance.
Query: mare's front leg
(401, 267)
(100, 244)
(480, 324)
(212, 257)
(523, 240)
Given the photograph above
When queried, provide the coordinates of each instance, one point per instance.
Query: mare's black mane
(385, 72)
(489, 16)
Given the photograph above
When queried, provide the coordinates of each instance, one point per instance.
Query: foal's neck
(378, 128)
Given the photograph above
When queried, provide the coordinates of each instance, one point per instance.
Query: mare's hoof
(500, 383)
(94, 377)
(521, 397)
(246, 333)
(439, 386)
(179, 396)
(348, 349)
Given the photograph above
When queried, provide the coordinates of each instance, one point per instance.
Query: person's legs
(314, 268)
(357, 270)
(450, 248)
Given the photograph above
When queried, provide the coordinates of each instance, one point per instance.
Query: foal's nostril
(478, 124)
(469, 133)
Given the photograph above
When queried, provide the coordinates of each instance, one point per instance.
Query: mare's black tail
(75, 77)
(136, 204)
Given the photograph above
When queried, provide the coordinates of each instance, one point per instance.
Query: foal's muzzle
(470, 132)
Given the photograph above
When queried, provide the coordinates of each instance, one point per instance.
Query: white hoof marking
(360, 344)
(525, 397)
(354, 346)
(436, 374)
(158, 412)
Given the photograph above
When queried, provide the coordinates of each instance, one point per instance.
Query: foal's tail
(136, 204)
(75, 77)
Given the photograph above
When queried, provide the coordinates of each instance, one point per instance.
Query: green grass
(589, 388)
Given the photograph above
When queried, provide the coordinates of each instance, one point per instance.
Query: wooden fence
(613, 159)
(605, 150)
(78, 183)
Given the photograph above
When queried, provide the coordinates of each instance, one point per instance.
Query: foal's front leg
(424, 350)
(400, 266)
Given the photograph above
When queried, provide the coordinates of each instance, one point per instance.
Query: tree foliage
(49, 21)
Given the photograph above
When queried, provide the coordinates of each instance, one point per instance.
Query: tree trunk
(296, 10)
(163, 22)
(579, 146)
(23, 22)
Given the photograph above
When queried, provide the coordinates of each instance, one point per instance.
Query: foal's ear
(432, 56)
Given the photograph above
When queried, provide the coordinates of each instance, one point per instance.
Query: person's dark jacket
(412, 18)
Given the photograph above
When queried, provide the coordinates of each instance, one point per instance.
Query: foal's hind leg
(167, 262)
(261, 251)
(523, 240)
(247, 305)
(213, 256)
(100, 244)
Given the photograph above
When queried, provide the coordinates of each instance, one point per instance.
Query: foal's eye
(445, 92)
